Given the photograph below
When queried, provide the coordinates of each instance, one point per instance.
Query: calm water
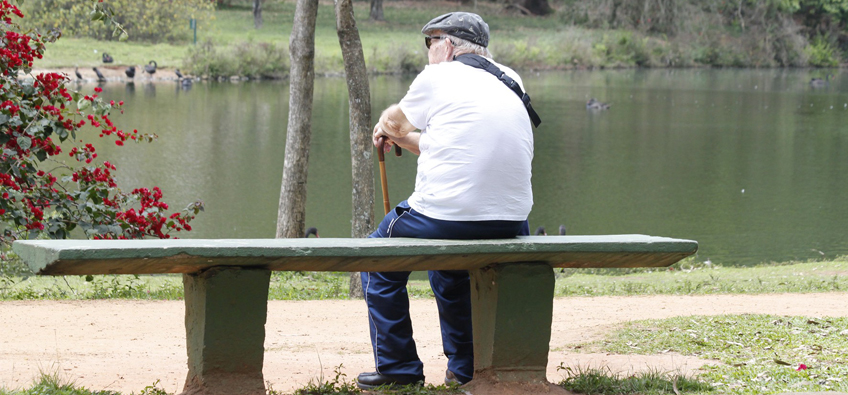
(750, 163)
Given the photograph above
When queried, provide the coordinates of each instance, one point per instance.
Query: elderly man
(473, 182)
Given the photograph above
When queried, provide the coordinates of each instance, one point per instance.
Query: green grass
(603, 381)
(79, 52)
(684, 278)
(757, 354)
(53, 384)
(284, 286)
(690, 278)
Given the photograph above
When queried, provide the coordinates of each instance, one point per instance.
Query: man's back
(476, 145)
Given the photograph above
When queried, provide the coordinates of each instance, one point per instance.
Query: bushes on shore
(255, 60)
(741, 33)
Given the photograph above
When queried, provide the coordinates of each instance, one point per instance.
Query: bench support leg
(226, 310)
(512, 308)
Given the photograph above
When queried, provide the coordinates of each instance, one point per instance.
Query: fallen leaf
(779, 362)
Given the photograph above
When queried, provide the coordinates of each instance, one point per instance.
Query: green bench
(226, 290)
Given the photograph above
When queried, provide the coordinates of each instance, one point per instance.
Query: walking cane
(383, 181)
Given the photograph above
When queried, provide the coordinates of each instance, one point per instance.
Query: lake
(750, 163)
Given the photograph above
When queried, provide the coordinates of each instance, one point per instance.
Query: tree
(376, 10)
(291, 215)
(83, 193)
(257, 14)
(359, 102)
(292, 209)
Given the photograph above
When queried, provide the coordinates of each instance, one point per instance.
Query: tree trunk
(359, 101)
(292, 210)
(376, 11)
(257, 13)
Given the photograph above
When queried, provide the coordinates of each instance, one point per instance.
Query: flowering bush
(79, 192)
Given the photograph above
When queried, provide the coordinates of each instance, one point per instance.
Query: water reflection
(149, 89)
(749, 163)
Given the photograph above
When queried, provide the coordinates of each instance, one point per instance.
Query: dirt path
(113, 73)
(127, 345)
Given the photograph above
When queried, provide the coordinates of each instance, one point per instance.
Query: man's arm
(408, 142)
(396, 127)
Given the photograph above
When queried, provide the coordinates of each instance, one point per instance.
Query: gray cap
(464, 25)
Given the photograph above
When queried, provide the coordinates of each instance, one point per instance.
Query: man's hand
(394, 125)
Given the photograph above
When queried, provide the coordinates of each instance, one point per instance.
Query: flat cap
(465, 25)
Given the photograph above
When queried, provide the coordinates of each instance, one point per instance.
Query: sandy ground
(127, 345)
(114, 73)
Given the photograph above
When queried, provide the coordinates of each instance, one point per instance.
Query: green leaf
(97, 15)
(82, 104)
(3, 118)
(24, 142)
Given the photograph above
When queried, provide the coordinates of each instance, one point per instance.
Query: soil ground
(125, 345)
(113, 73)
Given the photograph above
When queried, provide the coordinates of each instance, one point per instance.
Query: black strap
(480, 62)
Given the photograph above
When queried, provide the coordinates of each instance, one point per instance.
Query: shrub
(36, 115)
(248, 59)
(822, 54)
(142, 20)
(397, 59)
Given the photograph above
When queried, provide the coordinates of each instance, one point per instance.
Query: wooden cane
(383, 180)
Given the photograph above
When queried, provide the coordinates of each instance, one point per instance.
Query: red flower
(801, 367)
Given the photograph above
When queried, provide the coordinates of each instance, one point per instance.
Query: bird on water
(100, 76)
(594, 104)
(150, 68)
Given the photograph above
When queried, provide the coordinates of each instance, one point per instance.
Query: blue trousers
(388, 302)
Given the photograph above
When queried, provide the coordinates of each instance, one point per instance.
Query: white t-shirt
(476, 145)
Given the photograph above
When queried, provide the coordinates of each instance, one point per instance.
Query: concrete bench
(226, 290)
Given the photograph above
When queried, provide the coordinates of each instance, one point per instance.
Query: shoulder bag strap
(480, 62)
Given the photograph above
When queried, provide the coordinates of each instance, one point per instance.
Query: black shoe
(451, 379)
(373, 380)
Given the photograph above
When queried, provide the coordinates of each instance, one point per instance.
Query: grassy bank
(684, 278)
(229, 44)
(758, 354)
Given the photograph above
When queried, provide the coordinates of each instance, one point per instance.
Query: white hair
(461, 46)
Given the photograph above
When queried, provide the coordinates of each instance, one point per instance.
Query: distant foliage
(255, 60)
(822, 54)
(755, 32)
(142, 20)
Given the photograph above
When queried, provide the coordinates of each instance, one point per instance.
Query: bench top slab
(70, 257)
